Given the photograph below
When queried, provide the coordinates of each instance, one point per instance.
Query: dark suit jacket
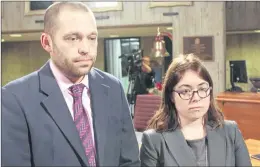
(38, 130)
(226, 147)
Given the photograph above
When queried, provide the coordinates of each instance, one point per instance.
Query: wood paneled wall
(22, 58)
(14, 20)
(244, 47)
(203, 19)
(147, 45)
(133, 13)
(242, 15)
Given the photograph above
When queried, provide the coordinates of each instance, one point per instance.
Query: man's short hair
(53, 11)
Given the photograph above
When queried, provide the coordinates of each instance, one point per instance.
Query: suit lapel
(216, 146)
(178, 147)
(100, 108)
(180, 151)
(56, 107)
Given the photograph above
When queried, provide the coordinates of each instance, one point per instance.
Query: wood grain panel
(253, 147)
(22, 58)
(242, 15)
(202, 19)
(243, 47)
(133, 13)
(239, 15)
(244, 108)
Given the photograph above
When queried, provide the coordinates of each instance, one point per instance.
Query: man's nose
(84, 47)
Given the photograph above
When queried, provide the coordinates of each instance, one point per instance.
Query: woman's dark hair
(166, 118)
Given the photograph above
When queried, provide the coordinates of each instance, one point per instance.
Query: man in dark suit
(67, 113)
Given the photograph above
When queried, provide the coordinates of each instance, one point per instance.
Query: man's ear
(46, 42)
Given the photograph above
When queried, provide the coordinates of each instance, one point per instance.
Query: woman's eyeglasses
(187, 94)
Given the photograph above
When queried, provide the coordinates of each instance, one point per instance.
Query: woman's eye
(186, 91)
(203, 89)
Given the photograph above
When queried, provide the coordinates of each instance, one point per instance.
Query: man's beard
(68, 68)
(66, 65)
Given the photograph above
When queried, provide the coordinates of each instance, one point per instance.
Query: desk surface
(253, 148)
(245, 97)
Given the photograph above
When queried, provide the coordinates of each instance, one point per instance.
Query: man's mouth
(83, 59)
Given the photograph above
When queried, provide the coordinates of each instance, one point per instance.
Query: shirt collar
(63, 82)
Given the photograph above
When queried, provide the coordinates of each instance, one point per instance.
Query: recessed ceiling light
(3, 40)
(113, 36)
(257, 31)
(15, 35)
(169, 28)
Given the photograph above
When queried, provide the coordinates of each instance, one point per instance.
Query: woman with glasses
(188, 130)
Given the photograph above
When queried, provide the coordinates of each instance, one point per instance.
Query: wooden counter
(244, 108)
(253, 147)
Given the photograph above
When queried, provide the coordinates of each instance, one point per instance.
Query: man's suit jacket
(226, 147)
(38, 129)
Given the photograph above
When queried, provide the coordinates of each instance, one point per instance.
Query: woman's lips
(195, 108)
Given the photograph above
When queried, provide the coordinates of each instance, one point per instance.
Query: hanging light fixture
(159, 49)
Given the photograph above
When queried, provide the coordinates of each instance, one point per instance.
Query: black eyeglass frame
(193, 92)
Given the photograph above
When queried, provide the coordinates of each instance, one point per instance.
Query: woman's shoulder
(230, 124)
(227, 125)
(152, 134)
(231, 128)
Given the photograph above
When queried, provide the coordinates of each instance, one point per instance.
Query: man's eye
(93, 38)
(73, 38)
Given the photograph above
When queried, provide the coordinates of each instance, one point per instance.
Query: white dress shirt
(64, 84)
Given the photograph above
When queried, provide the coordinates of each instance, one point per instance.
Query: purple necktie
(81, 120)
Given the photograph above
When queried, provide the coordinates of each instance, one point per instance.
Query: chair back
(145, 108)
